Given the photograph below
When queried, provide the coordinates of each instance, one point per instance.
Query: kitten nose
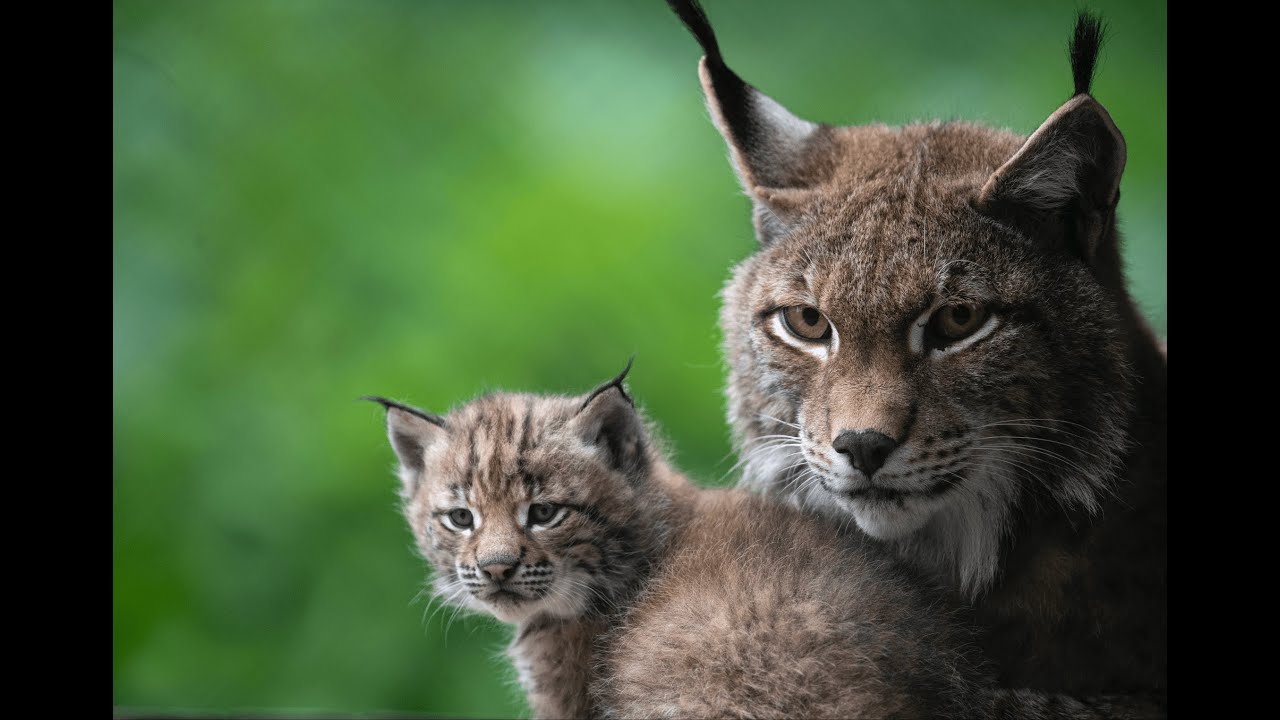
(497, 571)
(866, 449)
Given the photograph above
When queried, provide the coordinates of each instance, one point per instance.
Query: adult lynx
(937, 320)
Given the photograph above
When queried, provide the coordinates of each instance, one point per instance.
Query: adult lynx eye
(806, 323)
(459, 519)
(541, 513)
(957, 321)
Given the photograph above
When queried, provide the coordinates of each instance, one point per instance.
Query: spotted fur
(1027, 469)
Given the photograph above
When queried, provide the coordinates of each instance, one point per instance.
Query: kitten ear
(1066, 176)
(607, 419)
(411, 431)
(773, 151)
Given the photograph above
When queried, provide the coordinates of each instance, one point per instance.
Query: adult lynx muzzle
(937, 319)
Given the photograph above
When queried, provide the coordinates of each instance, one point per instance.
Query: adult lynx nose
(497, 571)
(866, 449)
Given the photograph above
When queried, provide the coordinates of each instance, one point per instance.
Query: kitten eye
(459, 519)
(953, 322)
(806, 323)
(541, 513)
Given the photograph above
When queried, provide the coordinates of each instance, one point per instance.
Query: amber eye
(459, 519)
(541, 513)
(806, 323)
(953, 322)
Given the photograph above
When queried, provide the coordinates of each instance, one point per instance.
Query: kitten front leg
(555, 660)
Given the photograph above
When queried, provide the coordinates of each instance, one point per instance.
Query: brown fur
(1028, 468)
(764, 611)
(652, 598)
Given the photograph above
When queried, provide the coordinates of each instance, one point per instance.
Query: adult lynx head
(530, 505)
(936, 319)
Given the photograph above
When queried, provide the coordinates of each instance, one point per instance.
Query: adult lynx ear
(773, 151)
(1068, 172)
(411, 431)
(607, 419)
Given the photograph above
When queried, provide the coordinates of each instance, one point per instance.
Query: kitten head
(936, 317)
(527, 504)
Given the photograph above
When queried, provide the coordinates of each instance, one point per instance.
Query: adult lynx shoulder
(634, 594)
(937, 319)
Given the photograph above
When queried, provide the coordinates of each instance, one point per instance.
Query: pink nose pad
(497, 571)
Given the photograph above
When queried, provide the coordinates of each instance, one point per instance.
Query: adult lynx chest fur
(937, 320)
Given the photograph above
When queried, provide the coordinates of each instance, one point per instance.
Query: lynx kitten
(635, 594)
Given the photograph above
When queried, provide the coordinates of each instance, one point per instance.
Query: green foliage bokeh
(316, 200)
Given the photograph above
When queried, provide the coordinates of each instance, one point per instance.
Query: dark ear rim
(389, 404)
(767, 142)
(1043, 137)
(615, 382)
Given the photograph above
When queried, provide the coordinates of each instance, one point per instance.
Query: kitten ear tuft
(390, 404)
(615, 382)
(411, 431)
(607, 419)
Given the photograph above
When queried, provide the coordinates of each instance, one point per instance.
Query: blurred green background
(316, 200)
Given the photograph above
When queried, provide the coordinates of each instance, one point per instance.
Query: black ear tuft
(388, 404)
(616, 382)
(772, 150)
(732, 93)
(695, 18)
(610, 422)
(1085, 43)
(411, 431)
